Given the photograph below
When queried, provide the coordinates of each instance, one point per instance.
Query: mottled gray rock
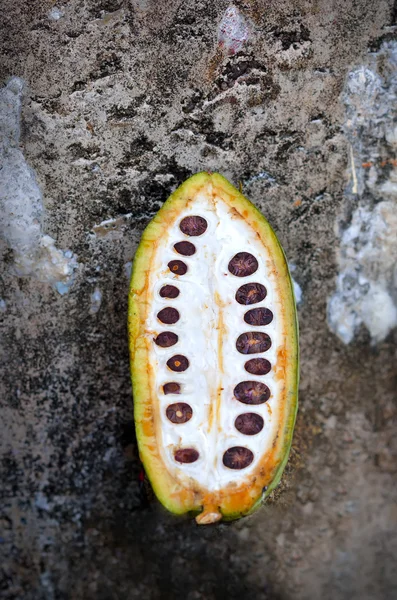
(124, 99)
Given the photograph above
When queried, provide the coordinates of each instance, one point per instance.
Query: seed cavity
(168, 315)
(252, 342)
(180, 412)
(177, 267)
(258, 316)
(185, 248)
(178, 363)
(243, 264)
(238, 457)
(258, 366)
(251, 293)
(193, 225)
(166, 339)
(249, 423)
(171, 388)
(186, 455)
(169, 291)
(251, 392)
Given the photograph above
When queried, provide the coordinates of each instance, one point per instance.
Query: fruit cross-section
(226, 309)
(214, 354)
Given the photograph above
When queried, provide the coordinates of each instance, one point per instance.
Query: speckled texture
(124, 100)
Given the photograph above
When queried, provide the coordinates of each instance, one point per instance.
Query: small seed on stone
(249, 423)
(169, 291)
(186, 455)
(178, 363)
(258, 366)
(251, 392)
(238, 457)
(168, 315)
(166, 339)
(171, 388)
(193, 225)
(252, 342)
(258, 316)
(251, 293)
(180, 412)
(185, 248)
(243, 264)
(177, 267)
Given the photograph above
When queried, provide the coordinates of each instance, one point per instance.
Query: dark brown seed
(185, 248)
(251, 293)
(186, 455)
(169, 291)
(168, 315)
(171, 388)
(166, 339)
(178, 363)
(193, 225)
(180, 412)
(258, 316)
(252, 342)
(249, 423)
(243, 264)
(177, 267)
(251, 392)
(258, 366)
(238, 457)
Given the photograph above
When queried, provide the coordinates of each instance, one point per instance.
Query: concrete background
(123, 100)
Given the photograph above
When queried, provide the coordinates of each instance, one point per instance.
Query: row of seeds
(242, 264)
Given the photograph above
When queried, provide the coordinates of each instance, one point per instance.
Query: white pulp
(198, 329)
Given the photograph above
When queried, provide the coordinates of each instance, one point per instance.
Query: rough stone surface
(123, 101)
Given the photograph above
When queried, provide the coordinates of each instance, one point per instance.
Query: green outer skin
(293, 396)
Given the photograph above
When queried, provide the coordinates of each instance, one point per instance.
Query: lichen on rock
(21, 204)
(366, 286)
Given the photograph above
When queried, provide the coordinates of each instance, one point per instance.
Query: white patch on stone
(3, 305)
(297, 291)
(96, 301)
(55, 14)
(233, 30)
(112, 228)
(296, 287)
(128, 269)
(263, 176)
(366, 287)
(21, 204)
(41, 502)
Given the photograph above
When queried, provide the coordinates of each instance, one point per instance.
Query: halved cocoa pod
(187, 441)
